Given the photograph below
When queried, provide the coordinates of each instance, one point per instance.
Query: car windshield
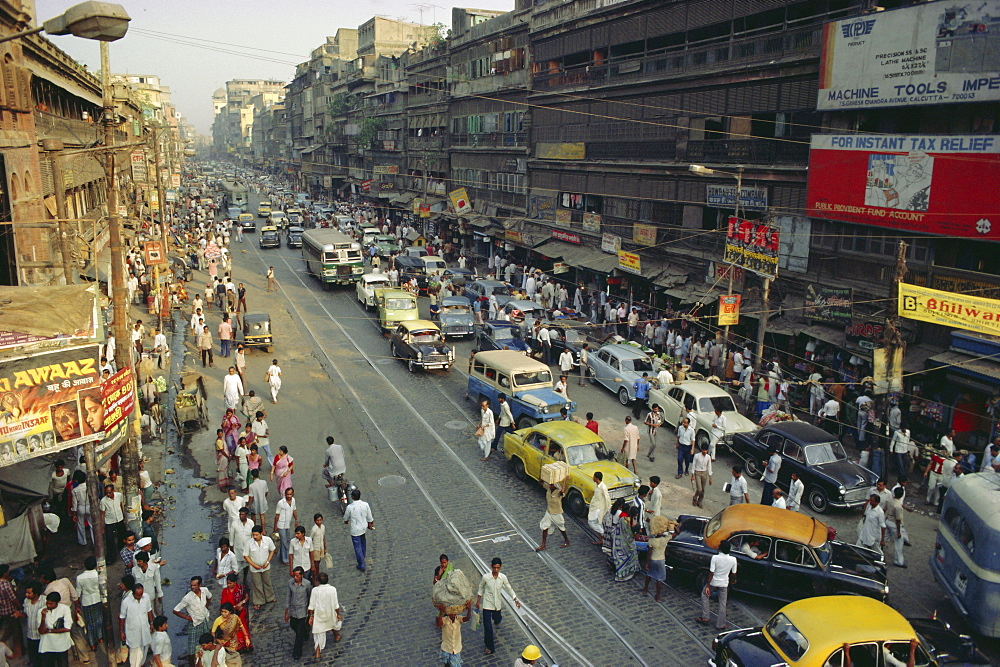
(580, 454)
(786, 636)
(506, 333)
(457, 310)
(825, 452)
(573, 336)
(425, 337)
(532, 377)
(377, 284)
(499, 290)
(709, 403)
(824, 553)
(399, 304)
(639, 365)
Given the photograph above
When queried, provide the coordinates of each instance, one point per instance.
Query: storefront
(966, 383)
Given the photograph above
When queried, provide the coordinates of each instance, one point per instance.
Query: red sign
(566, 236)
(118, 398)
(153, 250)
(366, 185)
(936, 184)
(753, 245)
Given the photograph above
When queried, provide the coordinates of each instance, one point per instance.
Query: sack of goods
(661, 525)
(555, 472)
(453, 591)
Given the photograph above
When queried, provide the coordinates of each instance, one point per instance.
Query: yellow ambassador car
(844, 631)
(528, 449)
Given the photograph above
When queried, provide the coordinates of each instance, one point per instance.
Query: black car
(269, 239)
(563, 337)
(501, 335)
(294, 237)
(830, 479)
(411, 267)
(420, 344)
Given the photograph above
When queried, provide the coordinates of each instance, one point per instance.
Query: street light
(103, 21)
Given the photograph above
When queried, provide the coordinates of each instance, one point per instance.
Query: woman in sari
(241, 454)
(231, 428)
(619, 544)
(234, 635)
(237, 595)
(282, 469)
(221, 460)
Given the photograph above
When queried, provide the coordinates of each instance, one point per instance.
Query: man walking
(273, 379)
(113, 511)
(721, 567)
(582, 361)
(872, 533)
(630, 445)
(286, 517)
(701, 475)
(718, 431)
(205, 347)
(225, 337)
(134, 625)
(641, 389)
(272, 283)
(489, 598)
(553, 514)
(770, 476)
(566, 362)
(894, 525)
(795, 490)
(263, 433)
(258, 496)
(505, 421)
(359, 516)
(193, 608)
(258, 554)
(297, 609)
(738, 492)
(600, 504)
(685, 447)
(324, 613)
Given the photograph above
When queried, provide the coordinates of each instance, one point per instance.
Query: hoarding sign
(49, 401)
(381, 169)
(643, 234)
(948, 309)
(118, 398)
(564, 216)
(753, 245)
(931, 184)
(829, 304)
(866, 335)
(366, 184)
(729, 309)
(724, 196)
(417, 203)
(566, 236)
(460, 201)
(611, 244)
(513, 235)
(154, 253)
(592, 222)
(542, 207)
(629, 262)
(935, 53)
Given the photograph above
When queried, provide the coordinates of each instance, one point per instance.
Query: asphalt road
(410, 448)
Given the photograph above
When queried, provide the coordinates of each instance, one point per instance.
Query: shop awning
(478, 221)
(784, 327)
(693, 293)
(670, 277)
(579, 256)
(71, 87)
(985, 369)
(825, 334)
(403, 198)
(310, 149)
(915, 357)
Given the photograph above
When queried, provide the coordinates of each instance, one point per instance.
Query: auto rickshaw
(256, 331)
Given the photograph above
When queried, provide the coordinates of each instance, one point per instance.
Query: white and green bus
(334, 258)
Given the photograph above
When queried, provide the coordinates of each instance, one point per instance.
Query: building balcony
(72, 132)
(489, 140)
(632, 150)
(749, 151)
(425, 143)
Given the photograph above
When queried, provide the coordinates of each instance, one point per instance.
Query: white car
(367, 285)
(702, 398)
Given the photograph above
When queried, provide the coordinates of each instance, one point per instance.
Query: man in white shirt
(242, 532)
(161, 650)
(654, 501)
(600, 504)
(286, 517)
(359, 516)
(685, 447)
(701, 474)
(298, 551)
(720, 568)
(232, 506)
(195, 602)
(664, 378)
(324, 613)
(160, 348)
(505, 421)
(148, 574)
(545, 342)
(738, 491)
(948, 442)
(566, 361)
(718, 431)
(113, 512)
(489, 598)
(830, 413)
(779, 500)
(134, 621)
(34, 603)
(225, 561)
(54, 627)
(795, 490)
(258, 553)
(900, 448)
(872, 533)
(770, 477)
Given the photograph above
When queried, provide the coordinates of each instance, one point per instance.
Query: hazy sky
(199, 45)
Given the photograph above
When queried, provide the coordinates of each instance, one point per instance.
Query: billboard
(960, 311)
(829, 304)
(751, 199)
(937, 53)
(460, 201)
(729, 309)
(753, 245)
(935, 184)
(49, 401)
(118, 398)
(629, 262)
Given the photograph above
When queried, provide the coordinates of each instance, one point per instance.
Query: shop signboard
(611, 244)
(560, 267)
(565, 151)
(592, 222)
(753, 245)
(933, 184)
(175, 180)
(425, 210)
(729, 310)
(50, 401)
(718, 274)
(153, 253)
(566, 236)
(934, 53)
(644, 234)
(960, 311)
(542, 207)
(864, 335)
(417, 203)
(384, 186)
(724, 196)
(118, 398)
(154, 200)
(564, 216)
(366, 184)
(139, 171)
(513, 235)
(327, 182)
(460, 201)
(381, 169)
(629, 262)
(171, 196)
(829, 304)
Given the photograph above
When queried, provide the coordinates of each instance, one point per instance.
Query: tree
(370, 127)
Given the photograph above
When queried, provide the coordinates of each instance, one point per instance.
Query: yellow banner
(629, 261)
(644, 234)
(729, 309)
(952, 310)
(460, 201)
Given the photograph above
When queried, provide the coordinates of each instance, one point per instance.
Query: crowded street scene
(379, 360)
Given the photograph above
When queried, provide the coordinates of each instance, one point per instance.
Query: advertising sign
(384, 186)
(729, 309)
(629, 262)
(366, 185)
(460, 201)
(380, 169)
(948, 309)
(49, 402)
(153, 253)
(175, 180)
(724, 196)
(611, 244)
(753, 245)
(564, 216)
(934, 53)
(513, 235)
(566, 236)
(118, 398)
(425, 210)
(643, 234)
(592, 222)
(866, 335)
(139, 171)
(417, 203)
(560, 267)
(936, 184)
(718, 272)
(829, 304)
(542, 207)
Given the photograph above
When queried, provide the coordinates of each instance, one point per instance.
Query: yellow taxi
(843, 630)
(264, 209)
(528, 449)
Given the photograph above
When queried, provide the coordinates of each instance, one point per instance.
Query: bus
(333, 257)
(235, 194)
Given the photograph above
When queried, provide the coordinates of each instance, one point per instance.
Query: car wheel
(753, 468)
(575, 505)
(411, 365)
(701, 581)
(817, 500)
(392, 351)
(526, 422)
(519, 471)
(623, 396)
(701, 439)
(591, 376)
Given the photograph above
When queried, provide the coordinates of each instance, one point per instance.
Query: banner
(568, 237)
(629, 262)
(460, 201)
(643, 234)
(937, 53)
(829, 304)
(753, 245)
(417, 203)
(592, 222)
(724, 196)
(118, 398)
(934, 184)
(380, 169)
(49, 401)
(729, 309)
(611, 244)
(948, 309)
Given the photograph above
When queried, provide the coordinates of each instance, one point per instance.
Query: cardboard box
(555, 472)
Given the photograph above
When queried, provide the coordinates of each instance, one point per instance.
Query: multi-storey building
(232, 126)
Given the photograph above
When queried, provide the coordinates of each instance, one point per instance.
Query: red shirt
(592, 425)
(937, 462)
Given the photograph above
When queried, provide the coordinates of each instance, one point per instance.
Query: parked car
(484, 288)
(294, 234)
(255, 331)
(617, 367)
(523, 310)
(701, 398)
(368, 235)
(456, 317)
(526, 382)
(434, 267)
(269, 237)
(247, 222)
(367, 285)
(421, 345)
(415, 251)
(528, 449)
(781, 554)
(817, 631)
(830, 478)
(395, 306)
(564, 336)
(501, 335)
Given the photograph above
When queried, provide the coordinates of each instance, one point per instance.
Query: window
(478, 368)
(960, 528)
(861, 655)
(794, 554)
(751, 546)
(770, 439)
(793, 451)
(538, 441)
(899, 653)
(676, 393)
(787, 637)
(504, 381)
(688, 402)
